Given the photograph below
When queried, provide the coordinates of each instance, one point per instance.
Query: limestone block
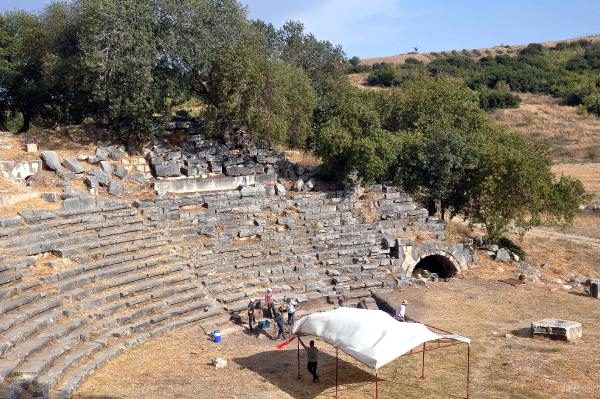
(102, 177)
(101, 154)
(31, 147)
(234, 170)
(116, 153)
(25, 169)
(565, 330)
(91, 181)
(120, 172)
(73, 165)
(52, 161)
(503, 255)
(51, 197)
(115, 187)
(169, 170)
(106, 167)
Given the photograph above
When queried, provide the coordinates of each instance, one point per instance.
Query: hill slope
(473, 53)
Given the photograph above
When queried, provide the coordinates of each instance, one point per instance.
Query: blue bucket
(217, 336)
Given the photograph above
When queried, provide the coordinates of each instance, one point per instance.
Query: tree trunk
(26, 123)
(442, 209)
(431, 209)
(3, 127)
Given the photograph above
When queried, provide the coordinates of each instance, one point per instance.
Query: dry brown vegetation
(491, 51)
(479, 306)
(569, 135)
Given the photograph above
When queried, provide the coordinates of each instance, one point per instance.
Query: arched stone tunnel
(445, 259)
(439, 264)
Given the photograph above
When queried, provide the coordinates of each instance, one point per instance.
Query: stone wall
(80, 285)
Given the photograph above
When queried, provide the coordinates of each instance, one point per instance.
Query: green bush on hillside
(490, 99)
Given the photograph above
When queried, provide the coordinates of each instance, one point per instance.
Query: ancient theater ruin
(223, 227)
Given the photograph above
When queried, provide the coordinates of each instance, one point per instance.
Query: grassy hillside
(475, 54)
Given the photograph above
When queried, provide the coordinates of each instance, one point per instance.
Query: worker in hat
(291, 309)
(270, 303)
(401, 311)
(280, 322)
(251, 317)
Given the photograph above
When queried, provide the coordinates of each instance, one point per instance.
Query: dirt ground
(178, 365)
(506, 363)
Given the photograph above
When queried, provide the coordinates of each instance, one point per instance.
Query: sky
(371, 28)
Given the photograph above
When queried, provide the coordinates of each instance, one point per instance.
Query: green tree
(120, 51)
(22, 50)
(64, 74)
(268, 99)
(515, 186)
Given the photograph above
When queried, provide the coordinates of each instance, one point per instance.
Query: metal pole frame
(298, 376)
(376, 386)
(336, 372)
(468, 369)
(423, 364)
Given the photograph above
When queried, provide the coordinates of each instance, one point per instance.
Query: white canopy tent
(372, 337)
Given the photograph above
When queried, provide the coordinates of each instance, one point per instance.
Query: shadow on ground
(280, 368)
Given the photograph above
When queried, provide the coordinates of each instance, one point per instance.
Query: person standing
(312, 359)
(280, 323)
(401, 311)
(270, 303)
(251, 317)
(291, 309)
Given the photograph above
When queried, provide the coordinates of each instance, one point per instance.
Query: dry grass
(177, 365)
(491, 51)
(303, 158)
(570, 136)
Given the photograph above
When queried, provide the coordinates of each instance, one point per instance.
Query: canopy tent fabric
(372, 337)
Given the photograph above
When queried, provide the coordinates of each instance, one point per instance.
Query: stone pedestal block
(565, 330)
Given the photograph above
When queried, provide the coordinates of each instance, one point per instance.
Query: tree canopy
(125, 65)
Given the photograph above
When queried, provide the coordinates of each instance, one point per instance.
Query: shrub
(413, 61)
(494, 99)
(592, 103)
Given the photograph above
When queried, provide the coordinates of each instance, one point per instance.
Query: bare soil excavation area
(506, 362)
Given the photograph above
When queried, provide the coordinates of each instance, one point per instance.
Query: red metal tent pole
(376, 387)
(336, 372)
(423, 365)
(298, 377)
(468, 368)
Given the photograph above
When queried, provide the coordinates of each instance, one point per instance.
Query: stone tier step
(90, 358)
(33, 344)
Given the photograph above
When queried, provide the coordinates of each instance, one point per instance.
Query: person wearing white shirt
(401, 311)
(291, 309)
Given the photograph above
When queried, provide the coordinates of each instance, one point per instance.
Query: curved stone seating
(122, 273)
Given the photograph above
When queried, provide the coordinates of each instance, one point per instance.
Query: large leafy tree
(439, 167)
(64, 74)
(120, 51)
(22, 51)
(515, 187)
(251, 92)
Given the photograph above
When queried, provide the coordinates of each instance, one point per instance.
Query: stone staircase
(119, 274)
